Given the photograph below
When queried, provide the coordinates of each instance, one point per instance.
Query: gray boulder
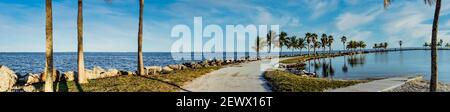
(153, 70)
(7, 79)
(167, 70)
(32, 79)
(69, 76)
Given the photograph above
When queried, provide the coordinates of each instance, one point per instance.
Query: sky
(113, 27)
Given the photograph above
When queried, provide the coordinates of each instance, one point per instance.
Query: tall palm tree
(283, 40)
(270, 38)
(343, 40)
(82, 79)
(426, 44)
(362, 45)
(314, 42)
(434, 66)
(259, 45)
(308, 38)
(140, 33)
(324, 41)
(48, 87)
(293, 43)
(330, 42)
(400, 43)
(301, 44)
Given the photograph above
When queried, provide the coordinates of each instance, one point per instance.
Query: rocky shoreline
(12, 82)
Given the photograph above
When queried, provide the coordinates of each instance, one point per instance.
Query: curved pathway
(245, 77)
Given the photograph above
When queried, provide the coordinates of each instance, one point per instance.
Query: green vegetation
(152, 83)
(281, 81)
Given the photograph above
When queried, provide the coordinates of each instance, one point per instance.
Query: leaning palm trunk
(434, 66)
(82, 79)
(140, 55)
(49, 47)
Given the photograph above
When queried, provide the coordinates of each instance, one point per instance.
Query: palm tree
(362, 45)
(258, 47)
(82, 79)
(283, 40)
(400, 43)
(292, 43)
(426, 44)
(441, 42)
(270, 37)
(308, 38)
(330, 42)
(301, 44)
(343, 40)
(140, 33)
(324, 41)
(434, 66)
(48, 87)
(314, 42)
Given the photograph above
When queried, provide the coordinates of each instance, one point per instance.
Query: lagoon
(382, 65)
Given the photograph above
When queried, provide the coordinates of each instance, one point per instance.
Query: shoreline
(200, 64)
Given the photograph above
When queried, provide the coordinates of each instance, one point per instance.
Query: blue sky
(112, 27)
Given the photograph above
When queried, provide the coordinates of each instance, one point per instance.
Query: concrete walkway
(246, 77)
(378, 85)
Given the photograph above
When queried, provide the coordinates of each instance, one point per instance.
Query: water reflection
(356, 60)
(392, 64)
(345, 67)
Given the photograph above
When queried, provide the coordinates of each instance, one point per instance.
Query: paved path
(377, 85)
(246, 77)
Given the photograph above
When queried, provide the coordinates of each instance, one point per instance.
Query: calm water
(23, 63)
(379, 65)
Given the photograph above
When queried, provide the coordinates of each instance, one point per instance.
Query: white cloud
(321, 7)
(348, 20)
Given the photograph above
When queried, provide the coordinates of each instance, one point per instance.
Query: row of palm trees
(356, 44)
(310, 40)
(439, 44)
(82, 78)
(383, 45)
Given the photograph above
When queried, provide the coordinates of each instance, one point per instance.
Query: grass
(281, 81)
(301, 59)
(152, 83)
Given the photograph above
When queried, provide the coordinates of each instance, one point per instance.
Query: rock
(219, 62)
(56, 76)
(153, 70)
(30, 88)
(32, 78)
(96, 73)
(7, 79)
(193, 65)
(167, 70)
(126, 73)
(111, 73)
(204, 63)
(177, 67)
(69, 76)
(98, 70)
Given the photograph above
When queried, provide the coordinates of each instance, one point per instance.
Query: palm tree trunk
(49, 47)
(281, 50)
(308, 50)
(82, 79)
(434, 66)
(140, 55)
